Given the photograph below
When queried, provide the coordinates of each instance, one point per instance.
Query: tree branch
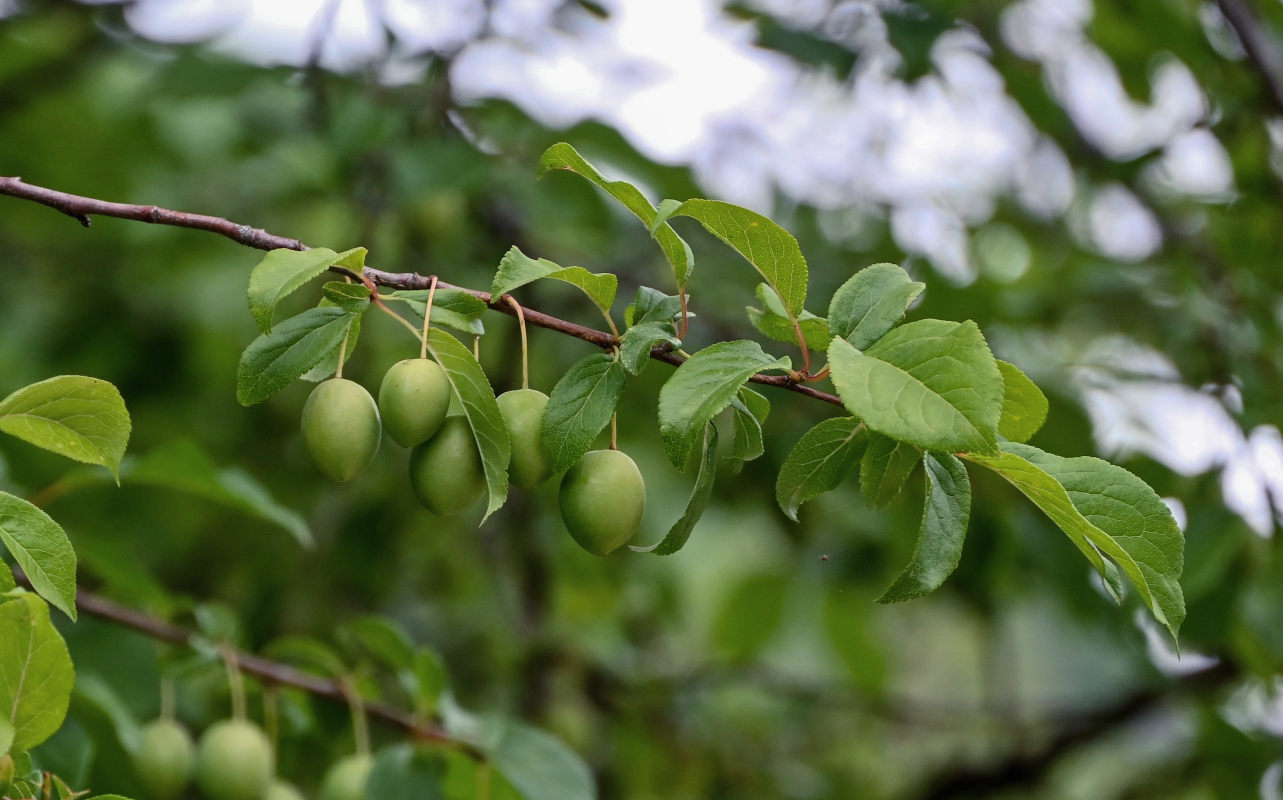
(1258, 46)
(267, 671)
(83, 208)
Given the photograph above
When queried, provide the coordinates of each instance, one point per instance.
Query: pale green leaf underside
(41, 548)
(580, 406)
(1024, 406)
(273, 361)
(81, 418)
(451, 308)
(884, 469)
(748, 413)
(563, 156)
(540, 766)
(931, 383)
(818, 462)
(772, 251)
(944, 526)
(353, 297)
(870, 303)
(677, 535)
(36, 675)
(517, 269)
(702, 387)
(773, 321)
(476, 396)
(280, 273)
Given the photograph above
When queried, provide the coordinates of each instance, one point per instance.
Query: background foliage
(754, 663)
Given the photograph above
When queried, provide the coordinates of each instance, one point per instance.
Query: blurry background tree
(1096, 185)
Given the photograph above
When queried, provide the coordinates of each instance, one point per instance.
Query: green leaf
(678, 253)
(884, 469)
(677, 535)
(931, 383)
(1024, 406)
(818, 462)
(308, 654)
(326, 367)
(580, 406)
(772, 320)
(517, 269)
(702, 387)
(273, 361)
(405, 772)
(750, 615)
(772, 251)
(81, 418)
(636, 343)
(453, 308)
(183, 466)
(482, 412)
(870, 303)
(1048, 494)
(353, 297)
(6, 738)
(7, 582)
(353, 259)
(280, 273)
(539, 766)
(944, 525)
(652, 305)
(42, 549)
(748, 413)
(36, 676)
(383, 639)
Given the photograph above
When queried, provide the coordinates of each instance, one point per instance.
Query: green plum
(283, 790)
(345, 779)
(341, 428)
(414, 399)
(164, 758)
(603, 499)
(522, 411)
(234, 761)
(445, 471)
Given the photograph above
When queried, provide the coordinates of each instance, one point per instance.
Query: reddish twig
(82, 208)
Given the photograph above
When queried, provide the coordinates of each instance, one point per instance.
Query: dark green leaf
(36, 676)
(383, 639)
(678, 253)
(517, 269)
(636, 343)
(652, 305)
(944, 525)
(81, 418)
(677, 535)
(1024, 406)
(580, 406)
(273, 361)
(702, 387)
(482, 412)
(539, 766)
(773, 321)
(42, 549)
(931, 383)
(884, 469)
(280, 273)
(328, 366)
(818, 462)
(405, 772)
(870, 303)
(308, 654)
(748, 413)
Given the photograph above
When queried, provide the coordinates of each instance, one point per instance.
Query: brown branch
(1258, 46)
(82, 208)
(267, 671)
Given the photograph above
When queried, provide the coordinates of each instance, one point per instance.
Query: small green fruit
(341, 428)
(163, 759)
(8, 771)
(345, 780)
(234, 761)
(445, 471)
(281, 790)
(414, 398)
(603, 499)
(522, 411)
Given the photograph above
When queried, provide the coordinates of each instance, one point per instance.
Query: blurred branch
(83, 208)
(1257, 44)
(267, 671)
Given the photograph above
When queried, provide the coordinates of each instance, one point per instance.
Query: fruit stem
(483, 781)
(521, 323)
(166, 698)
(235, 682)
(360, 730)
(681, 333)
(271, 719)
(427, 315)
(338, 371)
(476, 348)
(614, 431)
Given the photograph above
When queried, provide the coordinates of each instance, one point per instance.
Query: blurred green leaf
(405, 772)
(750, 615)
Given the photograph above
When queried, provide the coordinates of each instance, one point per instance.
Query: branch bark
(1258, 46)
(84, 208)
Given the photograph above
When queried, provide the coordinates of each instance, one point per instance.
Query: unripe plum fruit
(234, 761)
(603, 499)
(283, 790)
(414, 398)
(445, 471)
(522, 411)
(345, 780)
(164, 758)
(341, 428)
